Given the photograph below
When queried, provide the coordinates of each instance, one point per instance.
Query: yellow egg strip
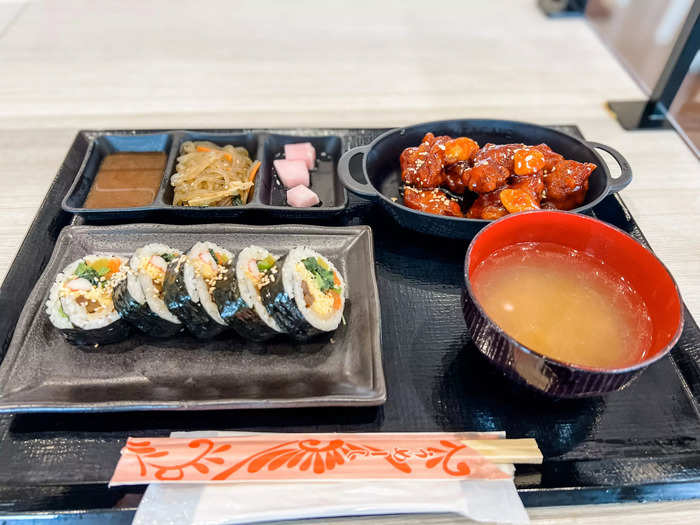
(323, 302)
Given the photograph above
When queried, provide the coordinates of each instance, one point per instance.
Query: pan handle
(363, 189)
(625, 177)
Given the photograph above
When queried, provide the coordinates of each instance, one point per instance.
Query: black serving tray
(640, 444)
(268, 197)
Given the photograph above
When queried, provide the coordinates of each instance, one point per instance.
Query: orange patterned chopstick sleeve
(288, 457)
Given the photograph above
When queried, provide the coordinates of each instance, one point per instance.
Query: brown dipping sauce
(127, 180)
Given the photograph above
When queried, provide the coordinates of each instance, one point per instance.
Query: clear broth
(564, 304)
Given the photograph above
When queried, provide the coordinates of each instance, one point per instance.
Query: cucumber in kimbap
(189, 286)
(80, 301)
(304, 293)
(139, 296)
(237, 294)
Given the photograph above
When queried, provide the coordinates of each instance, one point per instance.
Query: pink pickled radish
(301, 197)
(292, 172)
(301, 151)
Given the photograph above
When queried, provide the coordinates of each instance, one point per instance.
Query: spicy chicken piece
(528, 161)
(411, 159)
(460, 149)
(518, 200)
(497, 154)
(424, 165)
(431, 201)
(525, 194)
(567, 183)
(550, 157)
(492, 166)
(454, 177)
(485, 177)
(487, 206)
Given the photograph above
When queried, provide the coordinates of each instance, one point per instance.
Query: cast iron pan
(382, 173)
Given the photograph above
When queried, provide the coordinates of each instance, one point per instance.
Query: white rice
(291, 279)
(53, 303)
(146, 289)
(77, 314)
(134, 288)
(197, 287)
(249, 291)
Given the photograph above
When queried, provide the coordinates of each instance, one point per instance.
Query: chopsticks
(523, 450)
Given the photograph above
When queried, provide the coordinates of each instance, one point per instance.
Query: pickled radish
(302, 197)
(301, 151)
(292, 172)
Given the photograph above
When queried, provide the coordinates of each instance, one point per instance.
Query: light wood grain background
(74, 64)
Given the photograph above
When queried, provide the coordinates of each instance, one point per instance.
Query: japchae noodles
(209, 175)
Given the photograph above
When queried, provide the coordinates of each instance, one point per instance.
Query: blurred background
(642, 34)
(154, 57)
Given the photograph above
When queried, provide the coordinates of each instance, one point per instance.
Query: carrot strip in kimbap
(304, 293)
(189, 285)
(237, 294)
(80, 301)
(139, 297)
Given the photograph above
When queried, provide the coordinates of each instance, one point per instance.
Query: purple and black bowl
(639, 266)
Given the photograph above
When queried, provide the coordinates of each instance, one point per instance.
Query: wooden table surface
(74, 64)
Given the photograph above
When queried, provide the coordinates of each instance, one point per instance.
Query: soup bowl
(638, 265)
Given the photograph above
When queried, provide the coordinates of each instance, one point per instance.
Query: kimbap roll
(80, 301)
(304, 293)
(139, 296)
(237, 294)
(189, 285)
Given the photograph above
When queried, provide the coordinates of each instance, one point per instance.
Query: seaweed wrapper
(112, 333)
(141, 315)
(236, 312)
(178, 300)
(282, 307)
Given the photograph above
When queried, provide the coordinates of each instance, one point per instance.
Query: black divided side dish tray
(639, 444)
(268, 196)
(141, 373)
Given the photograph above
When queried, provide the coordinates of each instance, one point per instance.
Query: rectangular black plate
(268, 196)
(42, 372)
(641, 444)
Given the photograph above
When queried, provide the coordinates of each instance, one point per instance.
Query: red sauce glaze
(484, 178)
(528, 161)
(523, 195)
(567, 184)
(550, 157)
(424, 166)
(460, 149)
(431, 201)
(487, 206)
(507, 178)
(501, 155)
(455, 177)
